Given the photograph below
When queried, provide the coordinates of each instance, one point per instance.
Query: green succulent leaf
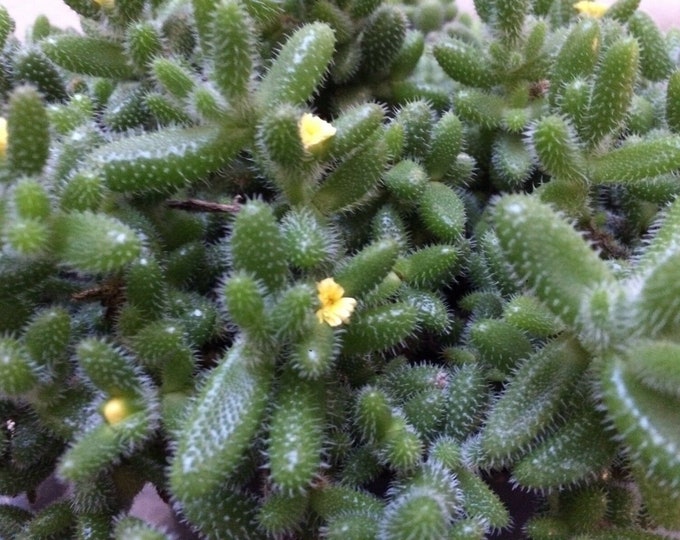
(612, 89)
(646, 421)
(28, 137)
(86, 55)
(296, 434)
(95, 242)
(220, 424)
(551, 257)
(533, 399)
(165, 160)
(299, 67)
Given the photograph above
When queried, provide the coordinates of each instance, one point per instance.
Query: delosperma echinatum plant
(333, 268)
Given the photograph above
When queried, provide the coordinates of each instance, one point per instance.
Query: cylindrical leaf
(646, 421)
(233, 48)
(28, 137)
(555, 143)
(299, 67)
(381, 39)
(164, 160)
(352, 179)
(95, 242)
(220, 424)
(613, 89)
(296, 434)
(86, 55)
(464, 63)
(548, 254)
(543, 380)
(637, 160)
(380, 328)
(655, 62)
(255, 225)
(442, 212)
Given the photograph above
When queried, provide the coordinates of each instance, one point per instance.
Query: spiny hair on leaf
(653, 246)
(636, 455)
(266, 465)
(115, 348)
(408, 380)
(297, 219)
(431, 472)
(95, 496)
(398, 347)
(228, 228)
(356, 207)
(591, 477)
(206, 103)
(348, 112)
(536, 432)
(320, 473)
(124, 524)
(647, 240)
(394, 511)
(275, 54)
(619, 324)
(399, 430)
(240, 274)
(304, 372)
(189, 521)
(573, 139)
(121, 443)
(387, 223)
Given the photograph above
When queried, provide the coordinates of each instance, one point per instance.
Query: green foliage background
(499, 197)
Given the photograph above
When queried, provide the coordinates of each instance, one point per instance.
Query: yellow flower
(3, 136)
(313, 130)
(335, 308)
(115, 410)
(591, 9)
(106, 4)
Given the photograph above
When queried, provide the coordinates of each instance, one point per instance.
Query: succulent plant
(335, 268)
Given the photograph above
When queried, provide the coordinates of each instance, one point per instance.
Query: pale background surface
(666, 12)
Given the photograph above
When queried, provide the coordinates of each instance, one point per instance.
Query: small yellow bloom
(115, 410)
(3, 136)
(591, 9)
(106, 4)
(335, 308)
(313, 130)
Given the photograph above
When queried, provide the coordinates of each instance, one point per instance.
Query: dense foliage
(323, 268)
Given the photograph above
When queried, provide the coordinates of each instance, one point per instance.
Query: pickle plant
(325, 269)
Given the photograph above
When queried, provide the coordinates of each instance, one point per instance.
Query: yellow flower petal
(314, 131)
(115, 410)
(329, 291)
(106, 4)
(344, 308)
(3, 136)
(591, 9)
(326, 315)
(335, 308)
